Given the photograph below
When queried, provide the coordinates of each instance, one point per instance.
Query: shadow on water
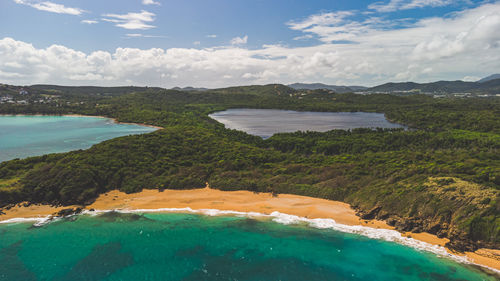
(297, 232)
(103, 261)
(11, 266)
(252, 266)
(407, 267)
(121, 217)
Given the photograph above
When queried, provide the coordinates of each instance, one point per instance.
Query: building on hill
(23, 92)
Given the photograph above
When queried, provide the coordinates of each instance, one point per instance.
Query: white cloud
(337, 26)
(394, 5)
(51, 7)
(134, 35)
(89, 21)
(131, 20)
(140, 35)
(303, 37)
(324, 19)
(465, 44)
(196, 43)
(471, 78)
(211, 36)
(150, 2)
(239, 40)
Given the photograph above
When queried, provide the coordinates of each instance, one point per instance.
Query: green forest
(442, 175)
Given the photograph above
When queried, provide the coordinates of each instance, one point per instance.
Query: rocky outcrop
(68, 212)
(459, 241)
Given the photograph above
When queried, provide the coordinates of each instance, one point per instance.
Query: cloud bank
(466, 42)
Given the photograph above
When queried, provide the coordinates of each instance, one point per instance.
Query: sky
(220, 43)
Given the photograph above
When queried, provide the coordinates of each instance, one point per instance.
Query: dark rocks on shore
(459, 241)
(371, 214)
(68, 212)
(461, 244)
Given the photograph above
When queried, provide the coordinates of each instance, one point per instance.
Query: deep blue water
(24, 136)
(195, 247)
(266, 122)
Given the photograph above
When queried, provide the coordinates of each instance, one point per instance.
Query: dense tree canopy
(442, 175)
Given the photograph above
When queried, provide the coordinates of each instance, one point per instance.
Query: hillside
(89, 90)
(443, 176)
(441, 87)
(489, 78)
(320, 86)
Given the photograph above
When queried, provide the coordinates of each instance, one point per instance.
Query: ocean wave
(36, 221)
(286, 219)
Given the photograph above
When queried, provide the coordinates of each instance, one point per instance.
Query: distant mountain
(320, 86)
(190, 89)
(489, 78)
(440, 87)
(90, 90)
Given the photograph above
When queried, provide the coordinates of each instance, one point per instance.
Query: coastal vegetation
(442, 175)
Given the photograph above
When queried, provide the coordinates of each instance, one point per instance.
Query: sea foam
(286, 219)
(320, 223)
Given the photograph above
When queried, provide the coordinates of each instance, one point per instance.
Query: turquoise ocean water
(170, 246)
(24, 136)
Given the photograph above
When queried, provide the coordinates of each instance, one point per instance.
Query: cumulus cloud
(150, 2)
(464, 44)
(239, 40)
(131, 20)
(51, 7)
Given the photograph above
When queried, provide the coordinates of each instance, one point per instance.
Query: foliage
(444, 169)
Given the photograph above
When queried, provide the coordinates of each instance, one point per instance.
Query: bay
(175, 246)
(25, 136)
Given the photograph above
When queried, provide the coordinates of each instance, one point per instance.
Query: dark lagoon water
(266, 122)
(170, 246)
(24, 136)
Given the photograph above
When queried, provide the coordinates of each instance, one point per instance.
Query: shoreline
(95, 116)
(284, 208)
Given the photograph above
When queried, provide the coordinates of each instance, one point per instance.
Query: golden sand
(244, 201)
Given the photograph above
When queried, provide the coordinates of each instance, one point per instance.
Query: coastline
(95, 116)
(284, 208)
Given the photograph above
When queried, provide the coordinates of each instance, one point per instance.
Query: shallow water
(266, 122)
(24, 136)
(156, 246)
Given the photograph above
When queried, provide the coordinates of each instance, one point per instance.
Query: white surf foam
(36, 221)
(287, 219)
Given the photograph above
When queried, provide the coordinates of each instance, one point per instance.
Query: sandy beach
(244, 201)
(114, 120)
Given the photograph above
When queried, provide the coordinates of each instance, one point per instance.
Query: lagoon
(266, 122)
(25, 136)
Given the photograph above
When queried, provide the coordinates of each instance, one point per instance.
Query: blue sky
(217, 43)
